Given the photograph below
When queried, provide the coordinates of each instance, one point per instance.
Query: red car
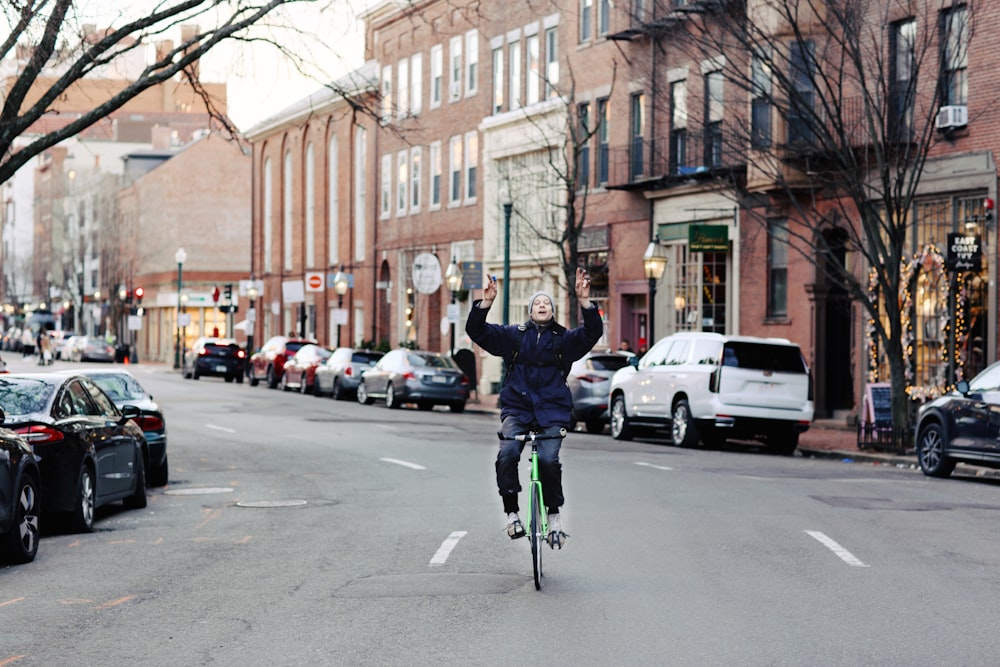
(268, 363)
(300, 370)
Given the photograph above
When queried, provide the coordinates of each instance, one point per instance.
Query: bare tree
(835, 106)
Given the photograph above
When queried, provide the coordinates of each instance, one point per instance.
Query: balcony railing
(679, 157)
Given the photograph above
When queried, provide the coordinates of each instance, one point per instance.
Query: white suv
(709, 387)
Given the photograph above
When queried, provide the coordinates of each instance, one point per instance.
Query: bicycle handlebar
(534, 435)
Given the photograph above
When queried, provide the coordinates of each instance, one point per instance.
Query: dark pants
(549, 467)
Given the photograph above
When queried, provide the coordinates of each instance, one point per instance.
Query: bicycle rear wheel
(536, 533)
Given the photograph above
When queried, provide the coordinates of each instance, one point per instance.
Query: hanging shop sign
(708, 238)
(965, 253)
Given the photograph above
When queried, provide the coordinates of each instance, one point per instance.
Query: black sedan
(124, 389)
(962, 426)
(19, 498)
(219, 357)
(414, 376)
(89, 452)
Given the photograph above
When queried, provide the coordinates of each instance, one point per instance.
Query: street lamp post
(252, 319)
(654, 262)
(179, 257)
(508, 207)
(340, 283)
(454, 278)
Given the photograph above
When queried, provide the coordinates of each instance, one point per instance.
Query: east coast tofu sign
(965, 253)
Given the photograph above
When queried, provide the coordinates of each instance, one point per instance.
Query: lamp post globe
(654, 263)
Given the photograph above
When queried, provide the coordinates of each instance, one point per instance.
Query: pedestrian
(624, 346)
(537, 356)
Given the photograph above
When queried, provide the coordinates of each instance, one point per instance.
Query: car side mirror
(963, 387)
(130, 412)
(634, 361)
(3, 416)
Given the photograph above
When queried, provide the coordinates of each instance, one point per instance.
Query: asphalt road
(303, 531)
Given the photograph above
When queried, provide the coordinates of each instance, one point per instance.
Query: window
(603, 17)
(602, 141)
(416, 83)
(332, 190)
(435, 175)
(403, 86)
(386, 113)
(268, 217)
(583, 146)
(955, 58)
(586, 16)
(361, 211)
(402, 182)
(437, 69)
(902, 38)
(385, 196)
(287, 194)
(498, 80)
(471, 62)
(534, 82)
(678, 127)
(714, 105)
(638, 129)
(551, 62)
(515, 75)
(760, 104)
(802, 58)
(777, 268)
(455, 60)
(455, 169)
(416, 156)
(310, 231)
(471, 163)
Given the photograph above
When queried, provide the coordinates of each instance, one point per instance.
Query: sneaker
(515, 528)
(556, 537)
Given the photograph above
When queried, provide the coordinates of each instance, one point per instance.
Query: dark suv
(219, 357)
(268, 363)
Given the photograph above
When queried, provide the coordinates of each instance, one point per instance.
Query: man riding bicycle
(537, 356)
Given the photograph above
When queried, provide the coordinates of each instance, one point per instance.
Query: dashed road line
(441, 557)
(220, 428)
(405, 464)
(831, 544)
(650, 465)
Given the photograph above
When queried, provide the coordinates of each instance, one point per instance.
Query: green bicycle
(538, 522)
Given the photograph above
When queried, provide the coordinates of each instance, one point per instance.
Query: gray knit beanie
(539, 293)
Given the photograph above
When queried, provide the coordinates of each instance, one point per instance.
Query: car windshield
(763, 356)
(608, 363)
(366, 357)
(119, 387)
(221, 348)
(988, 380)
(292, 348)
(430, 361)
(21, 396)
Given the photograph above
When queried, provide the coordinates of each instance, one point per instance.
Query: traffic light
(229, 292)
(138, 295)
(215, 294)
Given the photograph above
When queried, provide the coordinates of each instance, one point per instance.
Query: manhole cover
(270, 504)
(205, 490)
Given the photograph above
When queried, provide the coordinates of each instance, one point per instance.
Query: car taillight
(349, 370)
(464, 381)
(409, 376)
(202, 352)
(240, 354)
(713, 381)
(38, 434)
(149, 422)
(592, 378)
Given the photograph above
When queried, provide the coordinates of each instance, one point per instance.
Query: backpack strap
(557, 348)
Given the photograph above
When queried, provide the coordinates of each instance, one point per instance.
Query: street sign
(314, 281)
(134, 323)
(472, 275)
(965, 253)
(339, 316)
(453, 312)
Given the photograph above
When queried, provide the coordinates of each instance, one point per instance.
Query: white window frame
(402, 182)
(333, 202)
(499, 79)
(386, 105)
(361, 211)
(455, 171)
(552, 61)
(455, 70)
(403, 88)
(514, 59)
(471, 62)
(416, 83)
(435, 171)
(416, 160)
(437, 75)
(268, 215)
(470, 154)
(287, 192)
(310, 206)
(385, 196)
(533, 85)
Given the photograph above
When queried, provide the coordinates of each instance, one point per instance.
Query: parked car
(710, 387)
(415, 376)
(20, 500)
(300, 370)
(89, 348)
(90, 453)
(60, 339)
(268, 363)
(961, 426)
(219, 357)
(339, 375)
(589, 382)
(123, 389)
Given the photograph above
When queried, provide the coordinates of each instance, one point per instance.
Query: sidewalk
(824, 439)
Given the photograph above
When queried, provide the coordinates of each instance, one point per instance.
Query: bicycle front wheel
(536, 533)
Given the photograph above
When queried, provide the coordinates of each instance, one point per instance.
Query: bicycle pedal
(556, 539)
(515, 530)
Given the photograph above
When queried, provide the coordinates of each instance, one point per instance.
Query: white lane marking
(650, 465)
(220, 428)
(833, 546)
(441, 557)
(405, 464)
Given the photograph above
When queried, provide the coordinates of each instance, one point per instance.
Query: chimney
(163, 48)
(189, 33)
(162, 137)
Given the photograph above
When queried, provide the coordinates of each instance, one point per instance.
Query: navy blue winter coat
(535, 388)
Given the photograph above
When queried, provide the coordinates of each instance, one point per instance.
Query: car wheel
(594, 426)
(390, 397)
(336, 392)
(620, 429)
(683, 431)
(229, 379)
(158, 475)
(272, 382)
(282, 382)
(930, 452)
(253, 380)
(363, 396)
(457, 407)
(82, 516)
(304, 384)
(138, 498)
(20, 544)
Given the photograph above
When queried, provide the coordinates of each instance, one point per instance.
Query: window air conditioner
(950, 117)
(456, 89)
